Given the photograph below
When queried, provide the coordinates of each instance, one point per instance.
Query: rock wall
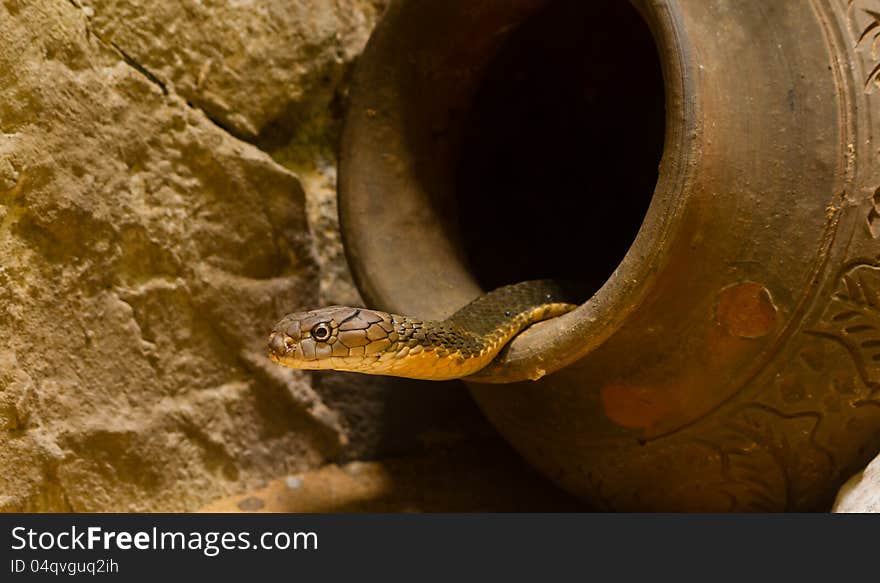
(166, 193)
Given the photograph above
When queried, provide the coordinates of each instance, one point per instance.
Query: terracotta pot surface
(729, 358)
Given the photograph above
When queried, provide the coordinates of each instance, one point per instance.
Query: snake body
(375, 342)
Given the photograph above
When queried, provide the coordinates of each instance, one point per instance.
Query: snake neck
(375, 342)
(472, 337)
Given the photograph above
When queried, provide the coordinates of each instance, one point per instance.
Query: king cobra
(374, 342)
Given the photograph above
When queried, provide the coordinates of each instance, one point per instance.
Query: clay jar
(729, 357)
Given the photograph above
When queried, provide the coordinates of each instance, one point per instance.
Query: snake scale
(374, 342)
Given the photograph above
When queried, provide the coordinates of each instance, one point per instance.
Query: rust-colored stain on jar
(636, 407)
(746, 310)
(744, 313)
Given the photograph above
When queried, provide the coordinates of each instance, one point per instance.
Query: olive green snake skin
(375, 342)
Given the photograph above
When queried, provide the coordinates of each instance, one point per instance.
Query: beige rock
(861, 493)
(246, 63)
(167, 191)
(144, 251)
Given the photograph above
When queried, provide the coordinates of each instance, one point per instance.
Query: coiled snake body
(375, 342)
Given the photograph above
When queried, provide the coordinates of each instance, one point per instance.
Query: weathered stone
(167, 191)
(144, 251)
(246, 63)
(861, 493)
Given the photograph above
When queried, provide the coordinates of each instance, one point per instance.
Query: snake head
(330, 337)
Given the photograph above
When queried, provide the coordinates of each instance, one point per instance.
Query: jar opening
(493, 142)
(560, 149)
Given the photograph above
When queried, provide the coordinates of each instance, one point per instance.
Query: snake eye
(321, 332)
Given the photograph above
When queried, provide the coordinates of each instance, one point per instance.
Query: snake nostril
(278, 344)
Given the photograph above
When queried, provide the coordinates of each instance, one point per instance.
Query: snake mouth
(280, 345)
(287, 352)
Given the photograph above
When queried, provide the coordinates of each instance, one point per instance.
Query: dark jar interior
(560, 148)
